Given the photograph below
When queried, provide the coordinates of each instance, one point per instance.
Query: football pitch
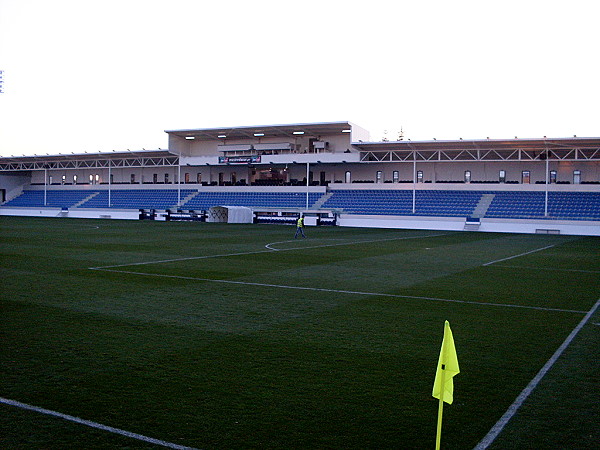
(216, 336)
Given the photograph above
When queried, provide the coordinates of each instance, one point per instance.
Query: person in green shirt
(300, 227)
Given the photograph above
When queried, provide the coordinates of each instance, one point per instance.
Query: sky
(115, 74)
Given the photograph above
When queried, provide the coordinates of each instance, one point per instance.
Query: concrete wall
(73, 213)
(13, 182)
(583, 228)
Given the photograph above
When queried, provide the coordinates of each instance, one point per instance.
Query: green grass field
(237, 336)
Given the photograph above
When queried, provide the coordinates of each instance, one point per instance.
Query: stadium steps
(186, 199)
(319, 203)
(483, 205)
(471, 226)
(89, 197)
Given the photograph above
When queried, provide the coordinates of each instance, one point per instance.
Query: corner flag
(443, 387)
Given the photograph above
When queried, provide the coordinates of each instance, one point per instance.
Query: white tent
(230, 214)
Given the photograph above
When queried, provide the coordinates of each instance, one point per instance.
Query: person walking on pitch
(300, 227)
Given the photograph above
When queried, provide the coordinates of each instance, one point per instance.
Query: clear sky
(87, 75)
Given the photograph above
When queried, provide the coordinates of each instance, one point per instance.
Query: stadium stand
(436, 203)
(161, 199)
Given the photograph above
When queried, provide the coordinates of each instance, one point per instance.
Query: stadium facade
(326, 170)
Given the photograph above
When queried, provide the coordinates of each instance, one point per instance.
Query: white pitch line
(337, 291)
(263, 251)
(512, 409)
(269, 245)
(96, 425)
(348, 242)
(520, 254)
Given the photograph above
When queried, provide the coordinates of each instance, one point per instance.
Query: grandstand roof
(86, 156)
(288, 130)
(481, 144)
(131, 158)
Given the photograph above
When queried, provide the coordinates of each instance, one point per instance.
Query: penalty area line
(520, 254)
(269, 246)
(91, 424)
(335, 291)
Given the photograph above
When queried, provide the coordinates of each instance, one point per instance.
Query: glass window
(552, 176)
(526, 177)
(74, 179)
(186, 178)
(576, 176)
(502, 176)
(198, 178)
(467, 176)
(347, 177)
(395, 176)
(378, 176)
(64, 179)
(155, 178)
(419, 176)
(166, 178)
(133, 178)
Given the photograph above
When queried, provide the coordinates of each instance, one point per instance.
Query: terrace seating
(516, 204)
(574, 205)
(53, 198)
(204, 200)
(400, 202)
(137, 199)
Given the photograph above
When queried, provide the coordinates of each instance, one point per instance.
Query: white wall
(73, 213)
(583, 228)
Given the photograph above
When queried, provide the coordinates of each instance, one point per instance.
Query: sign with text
(239, 159)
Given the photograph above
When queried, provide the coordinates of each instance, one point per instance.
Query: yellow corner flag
(443, 387)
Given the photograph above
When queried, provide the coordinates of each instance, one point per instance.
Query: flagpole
(438, 437)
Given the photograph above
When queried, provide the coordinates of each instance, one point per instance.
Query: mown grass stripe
(336, 291)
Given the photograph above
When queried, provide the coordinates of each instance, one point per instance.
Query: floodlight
(190, 137)
(259, 134)
(298, 132)
(346, 131)
(222, 136)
